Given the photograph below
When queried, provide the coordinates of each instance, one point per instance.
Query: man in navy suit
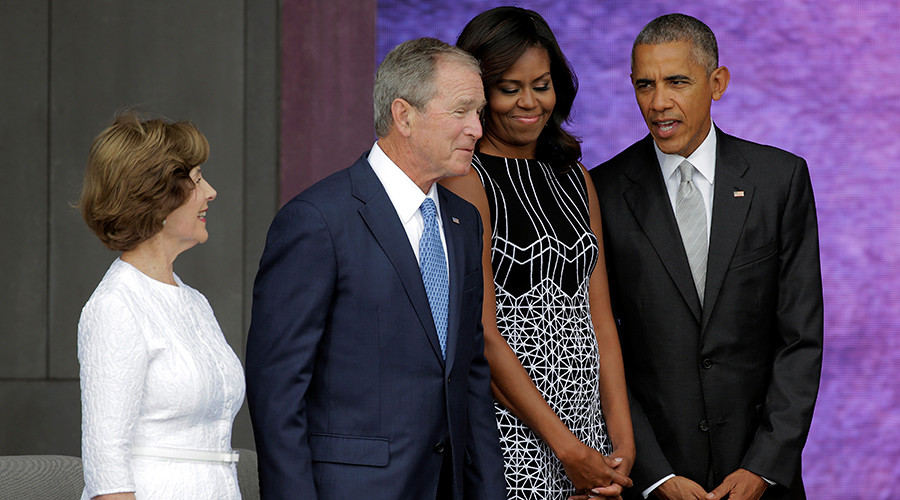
(712, 249)
(362, 381)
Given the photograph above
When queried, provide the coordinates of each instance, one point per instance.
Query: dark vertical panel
(261, 135)
(40, 418)
(328, 67)
(66, 68)
(260, 159)
(23, 189)
(180, 59)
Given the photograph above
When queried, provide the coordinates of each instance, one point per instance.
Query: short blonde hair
(138, 172)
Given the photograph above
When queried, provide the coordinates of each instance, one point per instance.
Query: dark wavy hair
(498, 38)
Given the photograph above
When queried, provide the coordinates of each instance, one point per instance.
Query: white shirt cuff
(771, 483)
(655, 485)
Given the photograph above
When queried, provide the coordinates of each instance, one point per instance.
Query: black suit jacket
(348, 392)
(734, 381)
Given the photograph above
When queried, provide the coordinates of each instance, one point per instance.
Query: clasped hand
(739, 485)
(596, 475)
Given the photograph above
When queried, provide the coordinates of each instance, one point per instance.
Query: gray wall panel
(40, 418)
(261, 132)
(260, 161)
(23, 189)
(67, 67)
(183, 60)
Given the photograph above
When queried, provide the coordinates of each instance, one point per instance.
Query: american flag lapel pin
(455, 220)
(738, 193)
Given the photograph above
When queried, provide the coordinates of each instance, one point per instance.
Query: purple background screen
(817, 78)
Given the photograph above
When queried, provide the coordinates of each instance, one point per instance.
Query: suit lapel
(649, 202)
(381, 218)
(731, 202)
(455, 237)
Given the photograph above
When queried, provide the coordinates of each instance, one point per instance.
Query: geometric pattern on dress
(542, 254)
(565, 368)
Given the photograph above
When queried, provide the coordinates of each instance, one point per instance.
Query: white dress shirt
(406, 197)
(704, 161)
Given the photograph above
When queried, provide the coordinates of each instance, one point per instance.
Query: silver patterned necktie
(691, 216)
(433, 265)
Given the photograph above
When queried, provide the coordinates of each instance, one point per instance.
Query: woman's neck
(152, 259)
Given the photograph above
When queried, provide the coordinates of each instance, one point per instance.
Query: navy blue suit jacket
(348, 392)
(735, 380)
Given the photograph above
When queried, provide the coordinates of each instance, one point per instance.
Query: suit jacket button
(707, 363)
(704, 426)
(439, 448)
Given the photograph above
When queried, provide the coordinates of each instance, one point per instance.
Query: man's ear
(403, 114)
(718, 80)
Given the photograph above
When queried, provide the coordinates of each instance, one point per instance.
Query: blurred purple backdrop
(818, 78)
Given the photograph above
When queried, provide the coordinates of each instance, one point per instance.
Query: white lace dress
(156, 372)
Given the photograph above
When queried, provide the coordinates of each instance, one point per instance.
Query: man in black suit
(712, 249)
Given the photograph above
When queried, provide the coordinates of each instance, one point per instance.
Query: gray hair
(681, 28)
(407, 73)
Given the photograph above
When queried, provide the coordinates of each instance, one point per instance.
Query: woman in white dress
(159, 384)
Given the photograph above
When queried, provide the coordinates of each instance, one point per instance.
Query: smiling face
(186, 225)
(519, 105)
(442, 136)
(675, 94)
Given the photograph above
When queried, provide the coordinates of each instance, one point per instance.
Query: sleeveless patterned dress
(542, 254)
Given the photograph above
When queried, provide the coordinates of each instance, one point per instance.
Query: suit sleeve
(291, 298)
(797, 364)
(650, 463)
(483, 478)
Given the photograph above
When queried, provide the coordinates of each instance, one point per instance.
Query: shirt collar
(703, 158)
(404, 194)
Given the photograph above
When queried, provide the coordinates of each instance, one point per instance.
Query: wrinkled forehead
(459, 84)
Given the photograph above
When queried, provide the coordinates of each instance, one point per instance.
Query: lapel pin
(738, 194)
(455, 220)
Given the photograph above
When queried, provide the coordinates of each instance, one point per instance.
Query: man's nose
(660, 100)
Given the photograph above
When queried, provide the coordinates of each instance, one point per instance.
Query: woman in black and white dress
(556, 366)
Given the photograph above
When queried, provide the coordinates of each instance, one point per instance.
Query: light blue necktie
(434, 271)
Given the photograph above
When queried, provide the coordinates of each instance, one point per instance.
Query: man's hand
(739, 485)
(680, 488)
